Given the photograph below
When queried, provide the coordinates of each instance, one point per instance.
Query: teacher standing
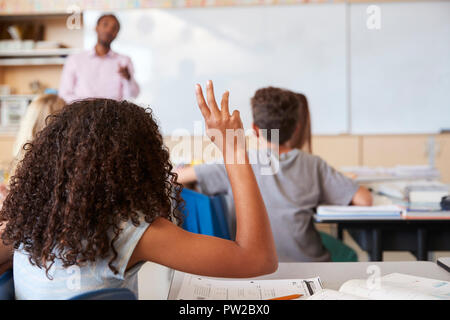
(99, 72)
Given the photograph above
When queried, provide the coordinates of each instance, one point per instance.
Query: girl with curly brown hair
(94, 198)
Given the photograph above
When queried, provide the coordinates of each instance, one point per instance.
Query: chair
(7, 291)
(205, 214)
(339, 251)
(7, 285)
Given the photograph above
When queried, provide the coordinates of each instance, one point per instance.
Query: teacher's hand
(123, 71)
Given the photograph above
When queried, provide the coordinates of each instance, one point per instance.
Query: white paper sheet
(203, 288)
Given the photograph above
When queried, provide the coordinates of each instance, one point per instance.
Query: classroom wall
(338, 151)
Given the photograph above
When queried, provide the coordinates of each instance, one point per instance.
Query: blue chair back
(106, 294)
(205, 214)
(7, 286)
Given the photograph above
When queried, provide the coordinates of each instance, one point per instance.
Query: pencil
(290, 297)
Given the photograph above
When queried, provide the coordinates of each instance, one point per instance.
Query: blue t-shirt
(31, 282)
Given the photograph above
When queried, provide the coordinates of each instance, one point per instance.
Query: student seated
(94, 198)
(32, 122)
(302, 182)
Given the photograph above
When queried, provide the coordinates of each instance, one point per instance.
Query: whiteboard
(298, 47)
(400, 74)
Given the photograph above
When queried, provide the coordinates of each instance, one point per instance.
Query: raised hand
(219, 123)
(123, 71)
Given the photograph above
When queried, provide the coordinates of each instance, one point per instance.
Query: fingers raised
(224, 104)
(211, 99)
(201, 102)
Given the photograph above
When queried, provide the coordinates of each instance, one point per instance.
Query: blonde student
(34, 121)
(300, 182)
(95, 196)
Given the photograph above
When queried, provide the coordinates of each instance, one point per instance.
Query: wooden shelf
(45, 61)
(38, 52)
(39, 57)
(15, 96)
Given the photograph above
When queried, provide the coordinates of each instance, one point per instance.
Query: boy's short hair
(275, 108)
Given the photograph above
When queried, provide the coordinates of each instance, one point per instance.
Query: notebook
(394, 286)
(363, 212)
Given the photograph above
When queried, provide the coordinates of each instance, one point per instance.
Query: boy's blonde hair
(34, 121)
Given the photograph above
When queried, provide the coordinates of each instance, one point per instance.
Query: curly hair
(97, 163)
(275, 108)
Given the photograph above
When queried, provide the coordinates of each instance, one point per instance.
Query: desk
(334, 274)
(374, 235)
(399, 234)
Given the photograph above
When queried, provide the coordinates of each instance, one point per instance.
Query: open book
(394, 286)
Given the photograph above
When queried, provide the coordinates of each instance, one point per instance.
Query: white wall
(397, 81)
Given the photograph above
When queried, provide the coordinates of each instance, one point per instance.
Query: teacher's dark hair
(96, 164)
(108, 15)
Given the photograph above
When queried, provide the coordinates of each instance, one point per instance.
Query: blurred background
(376, 73)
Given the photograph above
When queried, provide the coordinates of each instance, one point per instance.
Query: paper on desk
(202, 288)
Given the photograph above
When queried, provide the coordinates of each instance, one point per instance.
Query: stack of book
(420, 200)
(424, 201)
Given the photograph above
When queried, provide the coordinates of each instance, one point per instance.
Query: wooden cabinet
(443, 156)
(392, 150)
(338, 151)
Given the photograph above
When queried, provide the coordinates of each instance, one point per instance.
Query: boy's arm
(186, 175)
(337, 189)
(362, 197)
(212, 179)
